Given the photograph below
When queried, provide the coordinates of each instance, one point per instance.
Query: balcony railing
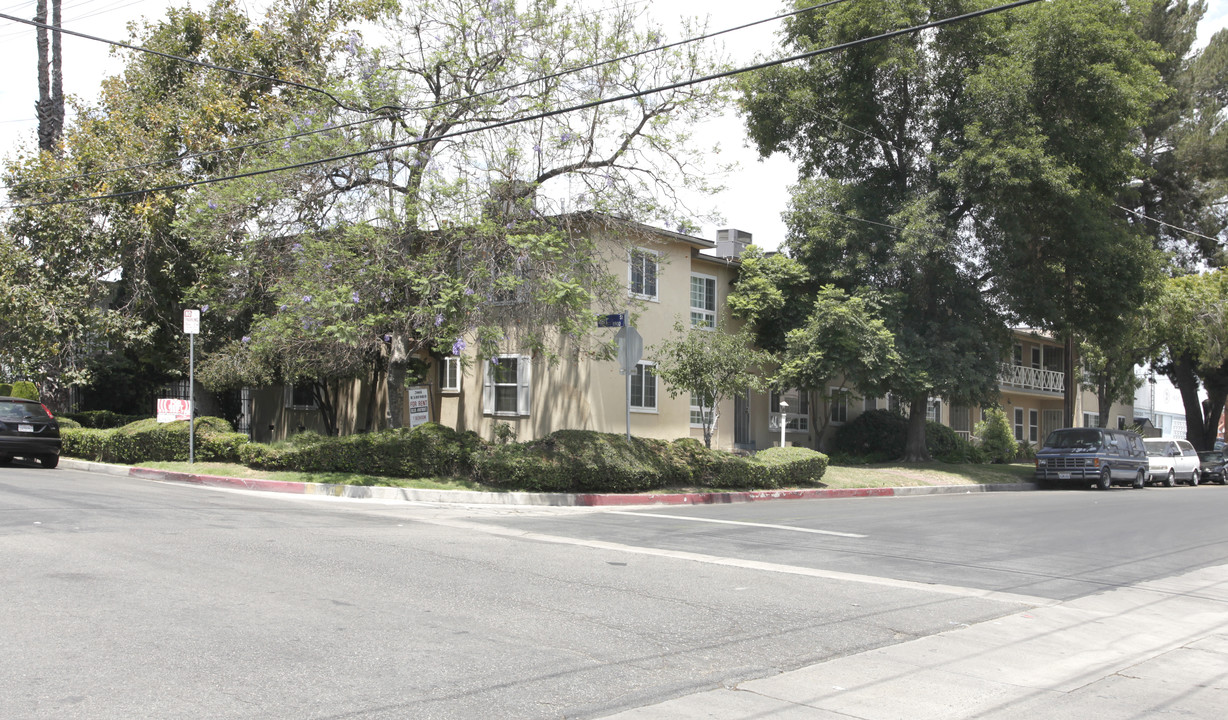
(1020, 377)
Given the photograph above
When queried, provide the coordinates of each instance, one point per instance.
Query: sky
(757, 192)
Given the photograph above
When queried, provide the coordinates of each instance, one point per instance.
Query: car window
(1211, 456)
(1076, 439)
(1156, 448)
(14, 411)
(1186, 448)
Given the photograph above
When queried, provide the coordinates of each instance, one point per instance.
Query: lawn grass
(837, 476)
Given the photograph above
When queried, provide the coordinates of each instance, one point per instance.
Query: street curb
(474, 497)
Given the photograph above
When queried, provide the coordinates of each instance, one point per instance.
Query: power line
(552, 113)
(402, 111)
(1167, 225)
(199, 63)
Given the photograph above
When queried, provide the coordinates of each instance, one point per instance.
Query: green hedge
(103, 419)
(149, 440)
(23, 389)
(880, 436)
(6, 390)
(430, 450)
(586, 461)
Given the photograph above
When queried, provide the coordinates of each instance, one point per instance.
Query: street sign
(630, 348)
(615, 320)
(191, 322)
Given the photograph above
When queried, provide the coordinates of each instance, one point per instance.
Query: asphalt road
(125, 598)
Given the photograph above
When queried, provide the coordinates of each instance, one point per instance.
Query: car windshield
(1156, 448)
(1074, 439)
(13, 411)
(1211, 456)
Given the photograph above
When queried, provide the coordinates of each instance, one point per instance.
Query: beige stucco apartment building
(670, 277)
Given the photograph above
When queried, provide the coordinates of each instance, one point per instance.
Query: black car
(1213, 466)
(27, 429)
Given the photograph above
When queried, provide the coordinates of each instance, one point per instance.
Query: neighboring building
(1158, 400)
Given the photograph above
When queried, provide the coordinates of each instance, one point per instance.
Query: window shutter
(524, 369)
(488, 389)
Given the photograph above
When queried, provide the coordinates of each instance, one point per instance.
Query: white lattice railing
(1029, 378)
(965, 434)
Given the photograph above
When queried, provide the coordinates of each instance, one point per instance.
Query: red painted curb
(296, 488)
(599, 499)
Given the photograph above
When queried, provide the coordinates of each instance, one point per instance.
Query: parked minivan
(1173, 461)
(1092, 455)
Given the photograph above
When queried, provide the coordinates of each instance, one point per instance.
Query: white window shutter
(524, 369)
(488, 389)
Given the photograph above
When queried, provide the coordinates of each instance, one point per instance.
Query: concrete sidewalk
(471, 497)
(1155, 649)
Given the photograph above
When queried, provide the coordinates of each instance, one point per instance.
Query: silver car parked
(1172, 461)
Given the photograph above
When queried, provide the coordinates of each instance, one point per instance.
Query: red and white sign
(419, 406)
(170, 410)
(191, 322)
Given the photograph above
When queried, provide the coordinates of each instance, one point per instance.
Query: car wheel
(1140, 480)
(1194, 479)
(1105, 481)
(49, 461)
(1170, 480)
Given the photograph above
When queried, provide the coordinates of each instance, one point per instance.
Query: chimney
(731, 243)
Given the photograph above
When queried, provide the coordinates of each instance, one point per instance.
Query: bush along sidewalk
(564, 461)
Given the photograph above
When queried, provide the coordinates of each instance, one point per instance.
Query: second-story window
(450, 375)
(703, 301)
(643, 273)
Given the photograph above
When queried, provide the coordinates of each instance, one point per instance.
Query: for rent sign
(171, 409)
(419, 406)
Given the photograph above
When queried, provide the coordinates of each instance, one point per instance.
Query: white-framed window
(642, 273)
(1033, 426)
(300, 397)
(1121, 422)
(1091, 419)
(644, 388)
(506, 386)
(450, 375)
(1036, 358)
(869, 404)
(699, 409)
(933, 410)
(1018, 354)
(838, 405)
(703, 301)
(798, 410)
(1019, 424)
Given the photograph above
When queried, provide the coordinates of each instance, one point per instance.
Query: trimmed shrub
(68, 423)
(6, 390)
(582, 461)
(148, 440)
(997, 441)
(104, 419)
(774, 468)
(430, 450)
(24, 389)
(874, 432)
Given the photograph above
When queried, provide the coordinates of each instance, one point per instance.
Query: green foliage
(880, 435)
(67, 423)
(709, 363)
(103, 419)
(149, 440)
(6, 389)
(586, 461)
(997, 440)
(429, 450)
(24, 389)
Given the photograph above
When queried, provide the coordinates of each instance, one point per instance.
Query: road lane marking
(736, 522)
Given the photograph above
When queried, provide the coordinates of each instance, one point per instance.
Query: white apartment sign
(419, 406)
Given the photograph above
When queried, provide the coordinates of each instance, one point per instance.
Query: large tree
(874, 129)
(465, 223)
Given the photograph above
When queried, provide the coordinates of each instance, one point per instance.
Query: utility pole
(50, 105)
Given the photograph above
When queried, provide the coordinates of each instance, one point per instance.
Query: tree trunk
(1183, 377)
(1070, 386)
(370, 424)
(1103, 401)
(914, 444)
(398, 361)
(50, 106)
(326, 402)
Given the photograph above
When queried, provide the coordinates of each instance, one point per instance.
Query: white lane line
(735, 522)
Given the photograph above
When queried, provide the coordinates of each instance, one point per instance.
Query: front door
(741, 420)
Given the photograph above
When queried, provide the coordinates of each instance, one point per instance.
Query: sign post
(630, 350)
(191, 326)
